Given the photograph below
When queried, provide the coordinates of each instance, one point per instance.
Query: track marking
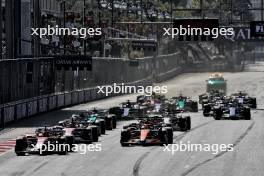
(179, 137)
(139, 161)
(7, 146)
(241, 137)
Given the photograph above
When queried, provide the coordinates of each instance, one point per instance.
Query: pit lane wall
(106, 71)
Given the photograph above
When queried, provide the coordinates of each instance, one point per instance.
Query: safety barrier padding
(87, 95)
(74, 97)
(43, 104)
(68, 98)
(52, 102)
(21, 110)
(60, 101)
(32, 108)
(9, 114)
(81, 97)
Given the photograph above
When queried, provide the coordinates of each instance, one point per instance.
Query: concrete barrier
(93, 94)
(68, 98)
(81, 96)
(43, 104)
(87, 95)
(21, 110)
(32, 108)
(74, 97)
(60, 101)
(52, 102)
(9, 114)
(140, 72)
(1, 117)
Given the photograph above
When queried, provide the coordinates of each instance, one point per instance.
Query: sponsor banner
(243, 34)
(257, 28)
(74, 61)
(144, 44)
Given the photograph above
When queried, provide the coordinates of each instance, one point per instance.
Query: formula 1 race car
(147, 132)
(145, 99)
(98, 116)
(39, 142)
(210, 96)
(243, 98)
(208, 106)
(231, 111)
(216, 82)
(181, 104)
(180, 122)
(128, 110)
(78, 131)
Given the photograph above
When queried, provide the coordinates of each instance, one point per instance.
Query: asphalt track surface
(247, 137)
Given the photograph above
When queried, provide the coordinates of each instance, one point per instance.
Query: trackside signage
(257, 28)
(74, 62)
(243, 34)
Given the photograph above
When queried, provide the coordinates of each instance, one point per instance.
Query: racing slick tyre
(169, 134)
(102, 125)
(164, 136)
(247, 114)
(217, 113)
(94, 130)
(20, 153)
(188, 122)
(125, 126)
(109, 122)
(70, 141)
(194, 106)
(63, 150)
(206, 110)
(97, 123)
(117, 111)
(253, 103)
(20, 147)
(184, 124)
(125, 136)
(114, 121)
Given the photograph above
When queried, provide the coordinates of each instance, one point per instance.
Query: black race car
(180, 104)
(128, 110)
(150, 131)
(231, 111)
(179, 122)
(38, 143)
(243, 98)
